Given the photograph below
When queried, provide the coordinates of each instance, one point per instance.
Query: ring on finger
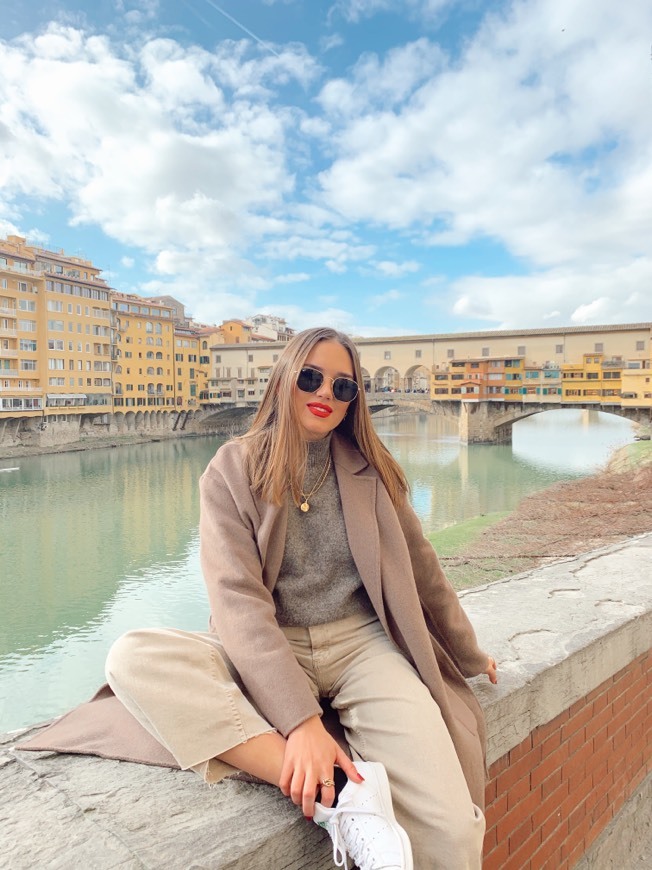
(327, 783)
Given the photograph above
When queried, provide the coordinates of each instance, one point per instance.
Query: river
(97, 542)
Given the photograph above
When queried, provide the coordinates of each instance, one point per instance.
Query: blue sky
(384, 166)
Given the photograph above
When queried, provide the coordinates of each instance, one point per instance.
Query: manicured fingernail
(362, 779)
(308, 818)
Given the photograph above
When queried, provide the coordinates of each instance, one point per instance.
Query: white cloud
(592, 312)
(391, 269)
(384, 298)
(598, 294)
(382, 82)
(318, 247)
(537, 137)
(333, 40)
(356, 10)
(127, 262)
(292, 278)
(152, 152)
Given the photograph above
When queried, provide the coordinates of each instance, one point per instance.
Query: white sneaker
(363, 825)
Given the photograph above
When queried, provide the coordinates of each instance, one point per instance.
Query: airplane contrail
(242, 27)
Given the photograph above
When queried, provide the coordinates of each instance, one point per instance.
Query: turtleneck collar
(318, 451)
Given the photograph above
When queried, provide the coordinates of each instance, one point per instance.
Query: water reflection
(98, 542)
(75, 525)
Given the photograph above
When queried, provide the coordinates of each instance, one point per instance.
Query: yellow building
(189, 376)
(55, 334)
(143, 365)
(636, 390)
(207, 336)
(595, 379)
(156, 356)
(237, 331)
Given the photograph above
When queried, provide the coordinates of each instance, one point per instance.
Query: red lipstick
(319, 410)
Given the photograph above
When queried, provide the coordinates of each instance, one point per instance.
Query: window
(450, 353)
(56, 363)
(55, 344)
(28, 344)
(417, 354)
(520, 350)
(598, 347)
(29, 365)
(387, 354)
(27, 325)
(559, 348)
(56, 325)
(274, 357)
(640, 345)
(26, 305)
(218, 358)
(485, 351)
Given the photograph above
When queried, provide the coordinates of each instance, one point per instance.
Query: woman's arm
(242, 608)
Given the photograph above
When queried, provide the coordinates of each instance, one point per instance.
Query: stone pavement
(64, 811)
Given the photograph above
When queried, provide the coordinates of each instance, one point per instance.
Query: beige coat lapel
(357, 484)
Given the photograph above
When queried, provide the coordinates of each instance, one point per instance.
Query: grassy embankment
(563, 520)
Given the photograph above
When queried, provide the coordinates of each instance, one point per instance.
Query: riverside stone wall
(553, 794)
(569, 746)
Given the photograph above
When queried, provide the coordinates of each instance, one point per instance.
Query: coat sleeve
(439, 600)
(242, 608)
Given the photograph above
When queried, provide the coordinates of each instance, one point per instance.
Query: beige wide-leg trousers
(183, 689)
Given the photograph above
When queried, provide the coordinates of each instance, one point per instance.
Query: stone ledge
(557, 633)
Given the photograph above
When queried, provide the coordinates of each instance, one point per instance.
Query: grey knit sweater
(318, 581)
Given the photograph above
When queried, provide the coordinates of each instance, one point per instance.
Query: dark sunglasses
(310, 380)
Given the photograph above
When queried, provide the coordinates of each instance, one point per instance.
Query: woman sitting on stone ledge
(323, 588)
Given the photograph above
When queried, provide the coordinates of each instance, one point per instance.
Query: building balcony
(5, 331)
(9, 312)
(9, 353)
(8, 373)
(17, 389)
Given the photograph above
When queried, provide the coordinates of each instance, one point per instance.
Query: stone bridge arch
(386, 379)
(491, 422)
(417, 380)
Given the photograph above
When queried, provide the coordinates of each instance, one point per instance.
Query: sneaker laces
(358, 849)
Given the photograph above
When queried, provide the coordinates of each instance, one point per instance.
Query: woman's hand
(491, 669)
(310, 756)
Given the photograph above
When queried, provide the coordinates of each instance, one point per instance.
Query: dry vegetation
(563, 520)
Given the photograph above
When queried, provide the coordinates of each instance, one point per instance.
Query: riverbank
(96, 443)
(559, 522)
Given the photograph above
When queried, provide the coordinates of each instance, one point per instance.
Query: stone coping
(557, 632)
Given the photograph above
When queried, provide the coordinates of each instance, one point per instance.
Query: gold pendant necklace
(320, 482)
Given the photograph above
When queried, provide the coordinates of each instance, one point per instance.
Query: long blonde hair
(276, 451)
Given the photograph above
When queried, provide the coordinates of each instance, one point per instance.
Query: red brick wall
(549, 797)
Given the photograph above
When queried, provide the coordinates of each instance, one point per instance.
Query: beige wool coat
(242, 544)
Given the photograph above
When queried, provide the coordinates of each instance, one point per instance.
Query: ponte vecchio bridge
(486, 381)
